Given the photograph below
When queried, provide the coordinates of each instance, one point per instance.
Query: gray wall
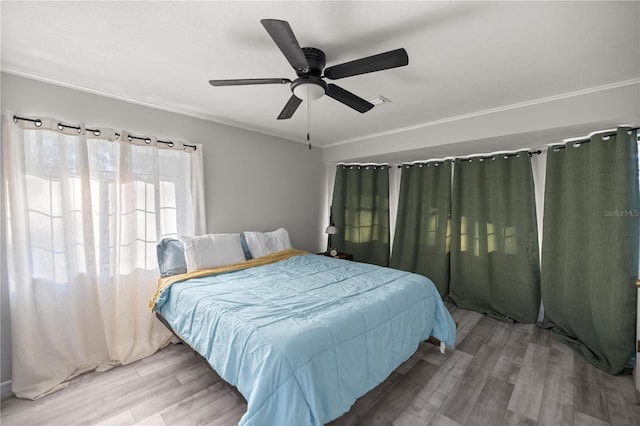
(252, 181)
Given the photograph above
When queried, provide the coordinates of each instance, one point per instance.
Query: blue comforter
(303, 338)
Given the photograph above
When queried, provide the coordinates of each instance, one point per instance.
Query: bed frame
(203, 359)
(431, 339)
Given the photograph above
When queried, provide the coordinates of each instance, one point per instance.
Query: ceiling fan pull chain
(308, 116)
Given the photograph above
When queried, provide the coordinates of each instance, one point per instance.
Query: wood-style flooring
(499, 374)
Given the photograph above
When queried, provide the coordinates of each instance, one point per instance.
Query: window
(84, 215)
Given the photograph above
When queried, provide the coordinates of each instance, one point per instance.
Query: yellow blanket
(265, 260)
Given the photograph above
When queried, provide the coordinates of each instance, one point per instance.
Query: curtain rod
(477, 157)
(366, 165)
(37, 122)
(587, 139)
(576, 142)
(505, 155)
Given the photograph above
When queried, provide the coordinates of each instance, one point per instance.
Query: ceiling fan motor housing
(316, 59)
(309, 85)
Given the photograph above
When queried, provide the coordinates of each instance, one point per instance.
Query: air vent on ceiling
(379, 100)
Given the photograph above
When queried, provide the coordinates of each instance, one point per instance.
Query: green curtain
(590, 247)
(422, 235)
(360, 209)
(495, 265)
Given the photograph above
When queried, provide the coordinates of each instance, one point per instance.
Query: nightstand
(345, 256)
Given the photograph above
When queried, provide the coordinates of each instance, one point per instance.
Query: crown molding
(230, 123)
(554, 98)
(147, 104)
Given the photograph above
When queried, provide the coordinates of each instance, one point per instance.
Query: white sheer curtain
(84, 214)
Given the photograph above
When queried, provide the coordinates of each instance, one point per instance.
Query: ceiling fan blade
(282, 35)
(292, 105)
(382, 61)
(348, 98)
(248, 81)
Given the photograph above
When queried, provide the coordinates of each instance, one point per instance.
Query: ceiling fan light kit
(309, 88)
(309, 63)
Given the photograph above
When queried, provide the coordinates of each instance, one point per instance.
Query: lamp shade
(331, 230)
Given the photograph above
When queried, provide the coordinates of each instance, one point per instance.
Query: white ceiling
(464, 57)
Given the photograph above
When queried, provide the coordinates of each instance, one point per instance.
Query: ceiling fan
(309, 62)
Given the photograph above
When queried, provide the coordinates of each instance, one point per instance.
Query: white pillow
(212, 250)
(264, 243)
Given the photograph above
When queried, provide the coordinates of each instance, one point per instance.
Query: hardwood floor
(499, 374)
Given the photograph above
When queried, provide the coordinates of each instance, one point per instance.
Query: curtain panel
(421, 242)
(590, 247)
(361, 212)
(494, 239)
(84, 211)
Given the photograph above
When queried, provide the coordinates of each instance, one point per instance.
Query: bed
(302, 336)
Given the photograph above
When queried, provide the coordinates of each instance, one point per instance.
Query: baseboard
(5, 390)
